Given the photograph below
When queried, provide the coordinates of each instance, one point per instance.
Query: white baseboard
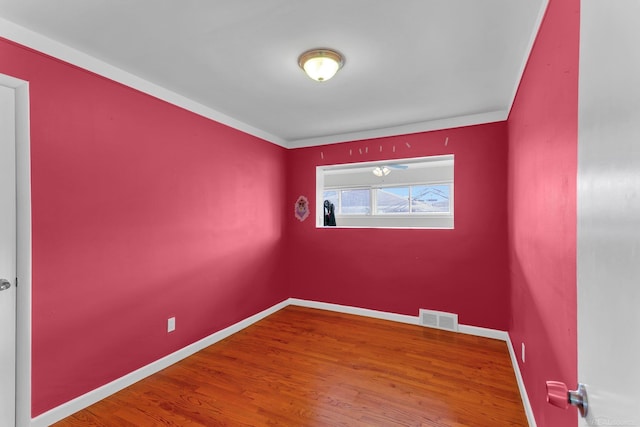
(88, 399)
(484, 332)
(523, 391)
(414, 320)
(402, 318)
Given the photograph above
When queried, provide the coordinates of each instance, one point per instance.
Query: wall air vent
(439, 320)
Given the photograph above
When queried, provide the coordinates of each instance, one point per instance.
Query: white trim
(419, 171)
(414, 320)
(525, 59)
(402, 318)
(23, 180)
(41, 43)
(23, 218)
(81, 402)
(484, 332)
(427, 126)
(528, 410)
(65, 53)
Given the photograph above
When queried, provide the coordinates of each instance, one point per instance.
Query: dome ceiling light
(321, 64)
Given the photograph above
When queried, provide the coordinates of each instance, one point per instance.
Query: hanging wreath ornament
(302, 208)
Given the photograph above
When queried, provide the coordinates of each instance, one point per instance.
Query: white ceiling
(411, 65)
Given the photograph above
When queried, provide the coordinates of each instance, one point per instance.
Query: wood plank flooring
(307, 367)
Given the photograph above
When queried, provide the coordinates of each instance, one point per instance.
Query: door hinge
(16, 282)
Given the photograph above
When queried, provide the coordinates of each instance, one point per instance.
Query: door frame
(23, 250)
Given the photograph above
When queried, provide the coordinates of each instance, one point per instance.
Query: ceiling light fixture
(321, 64)
(381, 171)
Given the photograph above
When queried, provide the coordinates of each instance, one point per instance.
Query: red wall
(141, 211)
(543, 128)
(462, 270)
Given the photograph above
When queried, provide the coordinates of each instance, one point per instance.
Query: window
(355, 202)
(409, 193)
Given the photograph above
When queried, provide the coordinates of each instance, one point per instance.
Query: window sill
(392, 221)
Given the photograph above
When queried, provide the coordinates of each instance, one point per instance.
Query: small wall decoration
(302, 208)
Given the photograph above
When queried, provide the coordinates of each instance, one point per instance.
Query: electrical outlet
(171, 324)
(522, 355)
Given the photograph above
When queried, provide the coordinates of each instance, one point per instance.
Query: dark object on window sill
(329, 214)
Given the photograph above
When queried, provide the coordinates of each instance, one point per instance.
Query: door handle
(558, 395)
(4, 284)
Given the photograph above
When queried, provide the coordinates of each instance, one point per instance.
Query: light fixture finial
(321, 64)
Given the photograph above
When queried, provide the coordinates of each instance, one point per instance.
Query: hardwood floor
(307, 367)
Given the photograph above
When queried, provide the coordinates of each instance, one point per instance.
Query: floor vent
(439, 319)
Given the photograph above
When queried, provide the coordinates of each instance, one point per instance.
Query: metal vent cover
(438, 319)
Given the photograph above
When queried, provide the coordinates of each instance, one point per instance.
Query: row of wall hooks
(393, 148)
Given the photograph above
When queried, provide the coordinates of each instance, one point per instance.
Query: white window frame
(436, 220)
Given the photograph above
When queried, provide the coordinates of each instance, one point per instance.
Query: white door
(609, 211)
(7, 257)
